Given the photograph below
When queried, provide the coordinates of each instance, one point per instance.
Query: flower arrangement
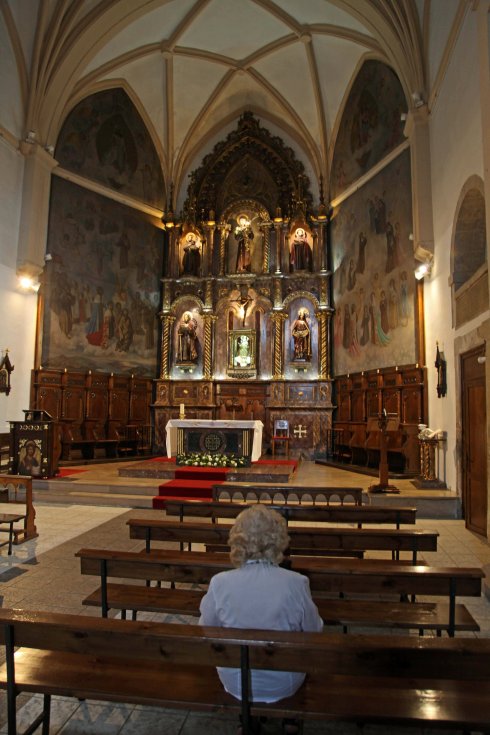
(204, 459)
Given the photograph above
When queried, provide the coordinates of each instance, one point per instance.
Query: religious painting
(371, 125)
(190, 257)
(29, 457)
(300, 248)
(374, 282)
(241, 352)
(105, 139)
(101, 284)
(245, 247)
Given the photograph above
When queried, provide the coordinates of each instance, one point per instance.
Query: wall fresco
(373, 283)
(101, 285)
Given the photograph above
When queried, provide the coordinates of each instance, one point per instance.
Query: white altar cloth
(175, 424)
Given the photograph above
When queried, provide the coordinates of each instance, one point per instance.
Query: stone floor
(44, 574)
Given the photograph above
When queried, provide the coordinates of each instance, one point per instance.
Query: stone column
(31, 249)
(167, 322)
(278, 318)
(482, 10)
(417, 130)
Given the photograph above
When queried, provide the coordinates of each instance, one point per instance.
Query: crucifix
(300, 431)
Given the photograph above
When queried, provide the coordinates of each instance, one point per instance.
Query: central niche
(245, 238)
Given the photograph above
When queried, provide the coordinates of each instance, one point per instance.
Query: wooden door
(474, 441)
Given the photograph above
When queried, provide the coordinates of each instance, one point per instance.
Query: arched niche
(469, 270)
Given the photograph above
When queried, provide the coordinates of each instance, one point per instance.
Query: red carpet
(188, 489)
(67, 471)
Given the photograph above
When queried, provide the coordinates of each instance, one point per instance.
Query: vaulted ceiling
(192, 67)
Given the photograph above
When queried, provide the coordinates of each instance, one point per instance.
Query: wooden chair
(281, 435)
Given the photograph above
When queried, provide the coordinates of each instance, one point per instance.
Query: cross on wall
(300, 431)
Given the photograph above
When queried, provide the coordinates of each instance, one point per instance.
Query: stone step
(112, 499)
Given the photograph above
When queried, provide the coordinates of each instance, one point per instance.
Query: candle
(182, 409)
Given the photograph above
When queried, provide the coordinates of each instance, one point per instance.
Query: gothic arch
(469, 269)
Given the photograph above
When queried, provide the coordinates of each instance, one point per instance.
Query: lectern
(34, 445)
(383, 424)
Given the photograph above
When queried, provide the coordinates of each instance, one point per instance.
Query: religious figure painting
(300, 250)
(373, 283)
(104, 139)
(371, 124)
(30, 457)
(102, 285)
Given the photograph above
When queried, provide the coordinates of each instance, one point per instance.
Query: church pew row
(354, 514)
(369, 679)
(327, 495)
(306, 540)
(370, 578)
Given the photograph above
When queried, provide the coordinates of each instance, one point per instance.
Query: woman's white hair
(258, 533)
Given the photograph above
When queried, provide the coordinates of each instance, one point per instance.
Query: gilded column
(266, 234)
(278, 319)
(224, 229)
(208, 320)
(278, 229)
(323, 360)
(167, 321)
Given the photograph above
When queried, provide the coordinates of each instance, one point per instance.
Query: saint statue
(191, 262)
(244, 235)
(301, 336)
(300, 257)
(187, 343)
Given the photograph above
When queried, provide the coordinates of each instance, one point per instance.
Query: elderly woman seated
(260, 594)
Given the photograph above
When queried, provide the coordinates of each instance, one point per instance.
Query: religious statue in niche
(300, 253)
(188, 343)
(191, 259)
(244, 235)
(241, 352)
(301, 334)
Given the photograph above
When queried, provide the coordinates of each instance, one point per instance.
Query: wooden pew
(372, 679)
(327, 576)
(360, 515)
(328, 495)
(305, 540)
(18, 489)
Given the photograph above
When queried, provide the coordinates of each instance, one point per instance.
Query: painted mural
(105, 139)
(371, 124)
(101, 285)
(373, 283)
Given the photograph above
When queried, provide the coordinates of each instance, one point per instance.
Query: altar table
(215, 436)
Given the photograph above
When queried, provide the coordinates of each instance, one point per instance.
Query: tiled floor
(44, 574)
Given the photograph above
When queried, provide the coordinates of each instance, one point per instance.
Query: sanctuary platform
(165, 468)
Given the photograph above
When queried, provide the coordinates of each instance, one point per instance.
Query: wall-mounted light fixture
(423, 270)
(27, 284)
